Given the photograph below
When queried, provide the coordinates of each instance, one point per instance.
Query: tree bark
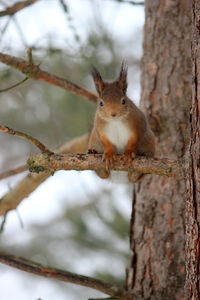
(157, 231)
(192, 286)
(54, 162)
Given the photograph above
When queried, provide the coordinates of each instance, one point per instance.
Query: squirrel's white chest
(118, 134)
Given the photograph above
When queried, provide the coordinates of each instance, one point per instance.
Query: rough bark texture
(157, 233)
(192, 286)
(80, 162)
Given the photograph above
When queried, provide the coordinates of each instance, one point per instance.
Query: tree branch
(165, 167)
(16, 7)
(14, 85)
(27, 137)
(12, 172)
(131, 2)
(33, 71)
(50, 162)
(30, 182)
(38, 269)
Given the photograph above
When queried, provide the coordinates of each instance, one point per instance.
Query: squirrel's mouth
(112, 119)
(113, 116)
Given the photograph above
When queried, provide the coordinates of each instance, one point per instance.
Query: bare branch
(69, 20)
(3, 222)
(12, 172)
(38, 269)
(80, 162)
(131, 2)
(50, 163)
(30, 55)
(20, 31)
(3, 30)
(9, 11)
(14, 85)
(111, 298)
(27, 137)
(25, 187)
(28, 184)
(33, 71)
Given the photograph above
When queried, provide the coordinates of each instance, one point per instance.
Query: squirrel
(119, 125)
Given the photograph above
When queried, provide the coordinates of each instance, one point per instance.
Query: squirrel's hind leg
(104, 174)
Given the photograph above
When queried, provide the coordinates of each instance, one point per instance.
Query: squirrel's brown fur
(119, 125)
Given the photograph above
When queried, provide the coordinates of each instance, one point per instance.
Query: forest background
(73, 217)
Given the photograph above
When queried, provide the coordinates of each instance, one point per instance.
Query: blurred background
(73, 218)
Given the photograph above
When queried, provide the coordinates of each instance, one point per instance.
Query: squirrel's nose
(113, 114)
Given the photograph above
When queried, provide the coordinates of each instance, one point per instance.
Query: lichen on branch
(81, 162)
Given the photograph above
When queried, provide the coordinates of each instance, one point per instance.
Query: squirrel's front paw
(108, 158)
(92, 151)
(130, 155)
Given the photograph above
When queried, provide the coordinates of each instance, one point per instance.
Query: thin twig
(80, 162)
(33, 71)
(20, 31)
(3, 222)
(30, 55)
(30, 58)
(27, 137)
(38, 269)
(131, 2)
(70, 21)
(108, 298)
(20, 219)
(3, 30)
(30, 182)
(12, 172)
(9, 11)
(14, 85)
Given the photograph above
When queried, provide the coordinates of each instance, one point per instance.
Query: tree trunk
(157, 230)
(192, 286)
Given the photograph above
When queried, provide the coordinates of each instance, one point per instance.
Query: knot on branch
(9, 130)
(34, 167)
(31, 71)
(54, 162)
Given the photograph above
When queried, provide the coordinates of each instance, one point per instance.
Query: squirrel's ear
(122, 80)
(98, 81)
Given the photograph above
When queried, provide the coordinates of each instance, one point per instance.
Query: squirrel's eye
(101, 103)
(123, 101)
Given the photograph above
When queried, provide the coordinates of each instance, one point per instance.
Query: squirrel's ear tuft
(97, 80)
(122, 80)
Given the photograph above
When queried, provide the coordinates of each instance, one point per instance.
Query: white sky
(40, 21)
(46, 18)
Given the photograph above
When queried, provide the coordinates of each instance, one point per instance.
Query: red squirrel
(119, 125)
